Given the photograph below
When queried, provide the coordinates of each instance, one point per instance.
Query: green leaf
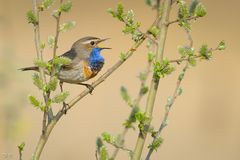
(99, 143)
(186, 51)
(141, 116)
(179, 91)
(154, 31)
(156, 144)
(137, 36)
(192, 61)
(170, 101)
(42, 45)
(185, 24)
(21, 146)
(181, 76)
(108, 138)
(143, 120)
(151, 56)
(60, 97)
(40, 63)
(31, 18)
(144, 90)
(111, 11)
(132, 119)
(52, 84)
(67, 26)
(103, 153)
(130, 16)
(125, 95)
(51, 41)
(129, 29)
(36, 103)
(120, 12)
(161, 69)
(46, 4)
(205, 52)
(151, 3)
(200, 10)
(37, 81)
(59, 61)
(182, 10)
(193, 6)
(66, 7)
(149, 44)
(123, 56)
(221, 45)
(142, 76)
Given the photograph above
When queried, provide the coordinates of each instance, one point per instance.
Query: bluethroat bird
(86, 62)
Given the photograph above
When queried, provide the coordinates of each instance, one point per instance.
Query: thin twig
(168, 106)
(96, 154)
(147, 35)
(40, 57)
(136, 103)
(20, 154)
(57, 32)
(178, 20)
(120, 147)
(178, 61)
(55, 54)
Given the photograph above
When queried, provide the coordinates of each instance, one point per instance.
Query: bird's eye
(92, 43)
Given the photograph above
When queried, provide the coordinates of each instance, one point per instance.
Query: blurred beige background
(204, 123)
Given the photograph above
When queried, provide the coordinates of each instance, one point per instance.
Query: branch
(40, 57)
(57, 32)
(178, 61)
(20, 154)
(154, 83)
(136, 103)
(50, 113)
(96, 155)
(120, 147)
(172, 99)
(43, 139)
(168, 108)
(177, 20)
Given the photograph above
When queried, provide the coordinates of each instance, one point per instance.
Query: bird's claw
(64, 108)
(90, 87)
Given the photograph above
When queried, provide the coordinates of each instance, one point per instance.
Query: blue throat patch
(96, 61)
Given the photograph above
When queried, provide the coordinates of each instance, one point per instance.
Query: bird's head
(84, 46)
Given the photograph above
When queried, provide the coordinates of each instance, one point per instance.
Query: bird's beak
(102, 40)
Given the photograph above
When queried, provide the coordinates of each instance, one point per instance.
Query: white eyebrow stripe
(87, 42)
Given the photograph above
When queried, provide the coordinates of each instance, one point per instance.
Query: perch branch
(154, 83)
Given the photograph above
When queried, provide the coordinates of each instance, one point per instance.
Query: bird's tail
(33, 68)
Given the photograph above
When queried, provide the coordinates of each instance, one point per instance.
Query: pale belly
(77, 74)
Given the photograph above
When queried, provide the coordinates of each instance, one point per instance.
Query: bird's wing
(72, 55)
